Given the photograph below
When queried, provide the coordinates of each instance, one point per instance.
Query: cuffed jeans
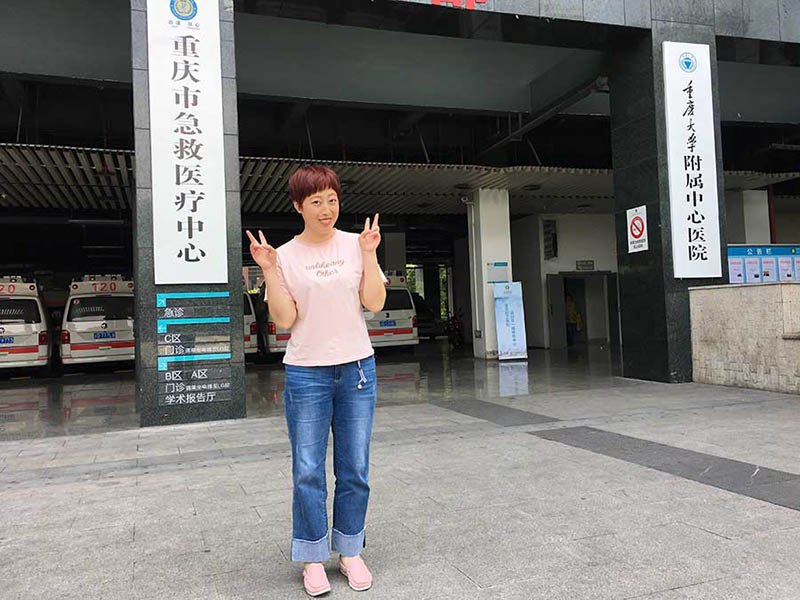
(318, 399)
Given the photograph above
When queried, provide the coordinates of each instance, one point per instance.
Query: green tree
(411, 277)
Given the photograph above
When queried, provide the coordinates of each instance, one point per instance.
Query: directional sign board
(637, 229)
(194, 349)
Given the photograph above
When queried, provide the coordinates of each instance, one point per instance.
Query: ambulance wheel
(269, 358)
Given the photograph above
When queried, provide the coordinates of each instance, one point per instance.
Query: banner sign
(186, 142)
(692, 161)
(764, 264)
(510, 320)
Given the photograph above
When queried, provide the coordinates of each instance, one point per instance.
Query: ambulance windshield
(101, 308)
(19, 310)
(398, 300)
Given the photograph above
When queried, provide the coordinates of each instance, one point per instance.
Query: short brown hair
(310, 180)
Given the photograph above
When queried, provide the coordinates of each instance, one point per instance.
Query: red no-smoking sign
(637, 229)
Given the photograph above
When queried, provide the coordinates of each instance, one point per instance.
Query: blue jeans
(572, 333)
(317, 399)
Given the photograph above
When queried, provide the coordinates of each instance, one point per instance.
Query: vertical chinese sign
(194, 325)
(694, 209)
(186, 142)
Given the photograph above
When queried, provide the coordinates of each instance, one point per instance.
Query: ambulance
(24, 332)
(395, 325)
(277, 339)
(98, 320)
(250, 324)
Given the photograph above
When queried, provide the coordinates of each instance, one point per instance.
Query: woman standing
(316, 285)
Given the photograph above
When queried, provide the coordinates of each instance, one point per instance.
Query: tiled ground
(488, 481)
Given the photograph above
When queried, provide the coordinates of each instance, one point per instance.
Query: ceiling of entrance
(51, 178)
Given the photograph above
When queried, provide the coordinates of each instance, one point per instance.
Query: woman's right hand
(265, 255)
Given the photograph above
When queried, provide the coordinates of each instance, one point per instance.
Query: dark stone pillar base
(654, 306)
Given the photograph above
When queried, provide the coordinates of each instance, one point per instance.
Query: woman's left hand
(371, 236)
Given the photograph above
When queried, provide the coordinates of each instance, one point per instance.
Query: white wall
(583, 237)
(787, 227)
(580, 237)
(526, 259)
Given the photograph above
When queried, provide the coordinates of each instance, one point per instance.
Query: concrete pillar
(433, 292)
(489, 244)
(734, 208)
(748, 217)
(755, 208)
(654, 305)
(192, 388)
(394, 248)
(527, 257)
(462, 280)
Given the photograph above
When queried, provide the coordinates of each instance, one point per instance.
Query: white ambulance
(24, 331)
(250, 324)
(395, 325)
(98, 320)
(277, 339)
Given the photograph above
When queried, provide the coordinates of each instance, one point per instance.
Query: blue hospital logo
(688, 62)
(185, 10)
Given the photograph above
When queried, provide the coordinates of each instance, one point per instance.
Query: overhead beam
(548, 112)
(11, 89)
(296, 114)
(787, 147)
(558, 88)
(408, 123)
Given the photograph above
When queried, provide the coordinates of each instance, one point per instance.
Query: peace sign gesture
(371, 236)
(265, 255)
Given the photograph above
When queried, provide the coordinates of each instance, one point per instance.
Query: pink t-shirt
(324, 281)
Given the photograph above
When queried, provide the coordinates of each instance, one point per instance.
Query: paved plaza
(552, 479)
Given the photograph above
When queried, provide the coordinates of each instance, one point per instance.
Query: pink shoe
(358, 575)
(315, 580)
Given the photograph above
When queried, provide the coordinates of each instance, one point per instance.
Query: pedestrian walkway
(555, 480)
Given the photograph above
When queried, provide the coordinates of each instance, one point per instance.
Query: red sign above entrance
(468, 4)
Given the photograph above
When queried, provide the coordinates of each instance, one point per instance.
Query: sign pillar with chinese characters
(667, 159)
(694, 210)
(187, 242)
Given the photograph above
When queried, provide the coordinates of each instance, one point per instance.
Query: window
(398, 300)
(19, 310)
(101, 308)
(550, 232)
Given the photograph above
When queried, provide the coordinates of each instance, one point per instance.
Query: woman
(574, 320)
(316, 285)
